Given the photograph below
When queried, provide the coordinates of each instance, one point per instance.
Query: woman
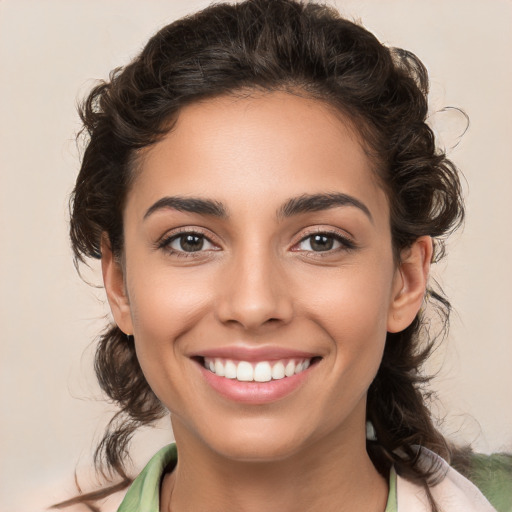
(266, 199)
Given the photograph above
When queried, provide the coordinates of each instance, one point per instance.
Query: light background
(50, 54)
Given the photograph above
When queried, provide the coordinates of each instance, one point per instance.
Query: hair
(274, 45)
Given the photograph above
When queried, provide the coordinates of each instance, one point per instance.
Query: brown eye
(189, 242)
(324, 242)
(321, 242)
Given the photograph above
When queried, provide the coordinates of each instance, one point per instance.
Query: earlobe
(113, 279)
(410, 283)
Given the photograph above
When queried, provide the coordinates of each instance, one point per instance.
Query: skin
(259, 283)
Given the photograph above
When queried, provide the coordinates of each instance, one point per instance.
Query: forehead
(265, 148)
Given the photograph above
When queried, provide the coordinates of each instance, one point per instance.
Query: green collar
(144, 493)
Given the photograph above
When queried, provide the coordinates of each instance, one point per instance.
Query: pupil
(191, 243)
(321, 243)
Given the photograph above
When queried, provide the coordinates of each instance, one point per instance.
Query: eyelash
(346, 244)
(166, 242)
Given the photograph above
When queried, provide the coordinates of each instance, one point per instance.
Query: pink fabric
(453, 494)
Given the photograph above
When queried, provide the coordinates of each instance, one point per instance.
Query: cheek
(351, 305)
(164, 306)
(354, 301)
(358, 329)
(164, 302)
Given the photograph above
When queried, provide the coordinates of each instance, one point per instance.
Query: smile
(261, 371)
(255, 376)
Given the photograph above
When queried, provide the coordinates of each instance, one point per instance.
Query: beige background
(50, 53)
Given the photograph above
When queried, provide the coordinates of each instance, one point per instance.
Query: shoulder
(489, 488)
(492, 474)
(144, 493)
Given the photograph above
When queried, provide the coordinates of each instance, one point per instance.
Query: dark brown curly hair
(308, 49)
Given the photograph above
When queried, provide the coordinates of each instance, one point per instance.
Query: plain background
(50, 54)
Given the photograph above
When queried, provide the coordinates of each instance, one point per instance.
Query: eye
(189, 242)
(324, 242)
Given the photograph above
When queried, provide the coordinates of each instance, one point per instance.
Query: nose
(253, 292)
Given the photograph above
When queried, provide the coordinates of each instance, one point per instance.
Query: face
(258, 276)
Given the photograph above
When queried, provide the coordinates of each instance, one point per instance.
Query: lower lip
(255, 392)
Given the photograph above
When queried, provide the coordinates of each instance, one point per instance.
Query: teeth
(244, 372)
(229, 370)
(278, 371)
(219, 369)
(263, 371)
(289, 369)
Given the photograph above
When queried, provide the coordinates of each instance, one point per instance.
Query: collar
(454, 493)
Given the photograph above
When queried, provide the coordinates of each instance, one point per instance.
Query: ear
(410, 284)
(113, 279)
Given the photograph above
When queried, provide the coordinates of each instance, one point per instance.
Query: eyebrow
(296, 205)
(317, 202)
(188, 204)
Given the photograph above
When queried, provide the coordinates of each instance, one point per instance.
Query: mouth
(257, 371)
(261, 375)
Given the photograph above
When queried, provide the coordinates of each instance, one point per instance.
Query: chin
(255, 449)
(258, 440)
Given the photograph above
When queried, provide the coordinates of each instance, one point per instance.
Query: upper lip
(252, 354)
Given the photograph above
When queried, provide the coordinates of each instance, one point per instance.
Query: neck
(321, 477)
